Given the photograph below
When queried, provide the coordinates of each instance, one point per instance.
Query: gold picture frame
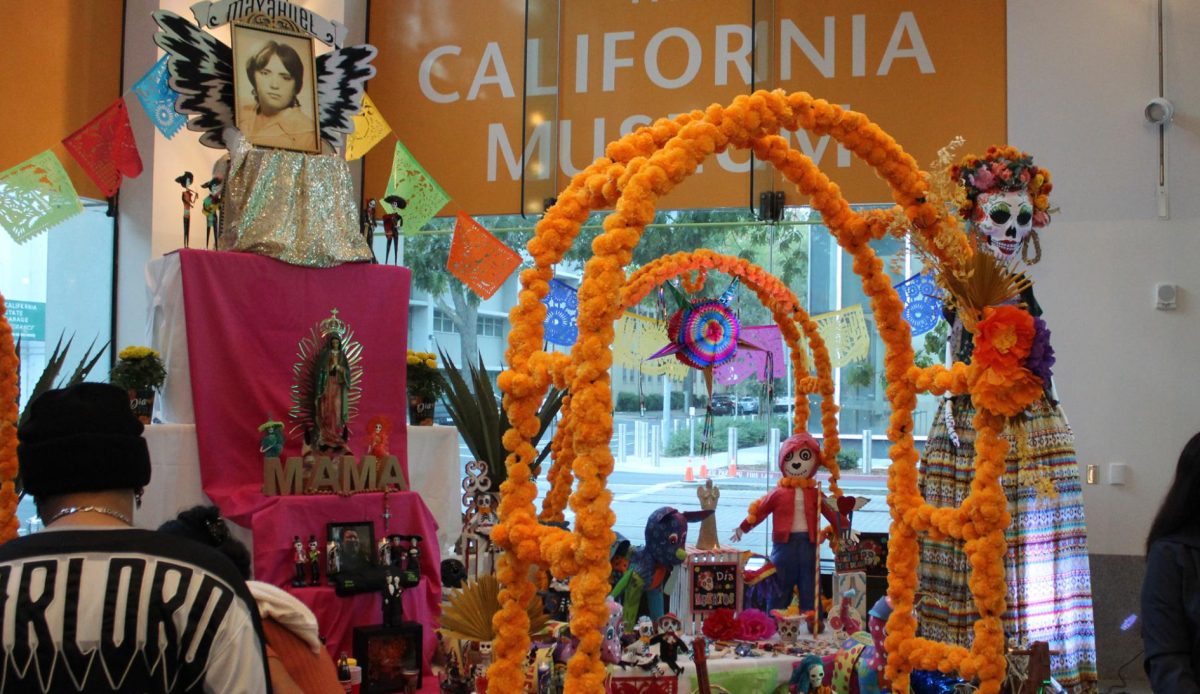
(284, 114)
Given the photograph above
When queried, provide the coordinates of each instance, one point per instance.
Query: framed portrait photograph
(350, 546)
(389, 657)
(275, 89)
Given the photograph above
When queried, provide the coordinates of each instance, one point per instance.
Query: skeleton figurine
(637, 654)
(299, 559)
(787, 625)
(314, 561)
(709, 495)
(669, 643)
(809, 676)
(485, 658)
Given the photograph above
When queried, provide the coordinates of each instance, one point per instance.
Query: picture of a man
(275, 89)
(355, 546)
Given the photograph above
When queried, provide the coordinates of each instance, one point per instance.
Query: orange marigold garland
(638, 170)
(9, 393)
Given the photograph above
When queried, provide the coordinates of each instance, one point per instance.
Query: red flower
(721, 625)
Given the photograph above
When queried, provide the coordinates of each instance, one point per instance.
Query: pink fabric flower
(755, 625)
(983, 179)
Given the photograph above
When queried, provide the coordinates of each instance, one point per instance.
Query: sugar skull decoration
(787, 625)
(669, 642)
(610, 647)
(1006, 200)
(651, 564)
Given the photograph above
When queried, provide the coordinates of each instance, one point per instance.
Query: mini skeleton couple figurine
(302, 559)
(393, 608)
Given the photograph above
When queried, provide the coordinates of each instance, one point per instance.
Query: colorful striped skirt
(1049, 580)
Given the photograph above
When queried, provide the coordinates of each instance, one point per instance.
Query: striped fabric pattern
(1049, 580)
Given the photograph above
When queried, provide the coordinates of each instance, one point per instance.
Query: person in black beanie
(84, 593)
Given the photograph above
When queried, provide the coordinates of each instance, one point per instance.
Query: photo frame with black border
(386, 654)
(360, 553)
(295, 125)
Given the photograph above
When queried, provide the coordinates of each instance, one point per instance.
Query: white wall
(1080, 73)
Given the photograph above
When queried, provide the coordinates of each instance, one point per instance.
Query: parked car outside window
(722, 404)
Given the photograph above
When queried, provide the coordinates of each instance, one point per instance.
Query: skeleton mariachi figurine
(669, 643)
(314, 561)
(299, 560)
(793, 507)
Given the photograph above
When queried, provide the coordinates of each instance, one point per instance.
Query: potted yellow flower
(424, 386)
(139, 370)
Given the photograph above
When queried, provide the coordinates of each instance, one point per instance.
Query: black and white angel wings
(202, 73)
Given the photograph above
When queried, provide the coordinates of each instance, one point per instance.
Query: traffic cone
(703, 471)
(687, 474)
(731, 471)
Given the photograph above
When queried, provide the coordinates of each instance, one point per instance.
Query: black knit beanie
(82, 439)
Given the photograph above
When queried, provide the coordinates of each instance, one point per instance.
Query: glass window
(491, 326)
(442, 322)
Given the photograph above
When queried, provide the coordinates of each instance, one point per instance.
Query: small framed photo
(350, 546)
(390, 657)
(275, 89)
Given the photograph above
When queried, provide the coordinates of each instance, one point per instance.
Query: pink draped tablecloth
(245, 315)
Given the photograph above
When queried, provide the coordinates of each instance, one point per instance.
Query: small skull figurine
(787, 625)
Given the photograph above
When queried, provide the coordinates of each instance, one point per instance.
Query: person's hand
(736, 536)
(852, 537)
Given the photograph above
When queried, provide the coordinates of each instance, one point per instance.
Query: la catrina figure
(189, 197)
(793, 507)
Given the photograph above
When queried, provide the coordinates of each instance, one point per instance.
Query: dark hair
(287, 55)
(185, 179)
(205, 525)
(1178, 510)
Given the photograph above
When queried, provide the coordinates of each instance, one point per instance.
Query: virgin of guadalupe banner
(36, 195)
(158, 99)
(845, 335)
(922, 302)
(369, 128)
(423, 196)
(478, 258)
(105, 148)
(562, 314)
(637, 337)
(749, 362)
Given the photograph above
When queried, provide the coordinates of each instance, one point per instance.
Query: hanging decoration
(369, 128)
(753, 362)
(410, 181)
(105, 148)
(35, 196)
(922, 302)
(845, 333)
(158, 99)
(478, 258)
(636, 336)
(562, 313)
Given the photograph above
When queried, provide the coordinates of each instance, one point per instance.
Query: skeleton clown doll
(793, 507)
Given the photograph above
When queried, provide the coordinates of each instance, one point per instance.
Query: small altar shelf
(708, 579)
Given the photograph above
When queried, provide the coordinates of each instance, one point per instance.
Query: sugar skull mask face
(1004, 220)
(787, 626)
(669, 624)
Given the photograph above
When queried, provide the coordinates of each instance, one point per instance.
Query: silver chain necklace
(70, 510)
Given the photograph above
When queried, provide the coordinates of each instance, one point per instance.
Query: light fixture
(1159, 111)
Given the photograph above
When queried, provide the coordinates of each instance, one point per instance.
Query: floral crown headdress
(1003, 169)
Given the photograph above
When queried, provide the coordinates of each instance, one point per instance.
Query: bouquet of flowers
(423, 377)
(139, 368)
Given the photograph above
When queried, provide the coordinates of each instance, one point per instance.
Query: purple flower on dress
(1041, 354)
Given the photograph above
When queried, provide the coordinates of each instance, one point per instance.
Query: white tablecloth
(433, 465)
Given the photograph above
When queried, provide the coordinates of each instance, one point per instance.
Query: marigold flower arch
(9, 394)
(637, 170)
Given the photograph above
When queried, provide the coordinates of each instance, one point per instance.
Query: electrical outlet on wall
(1118, 473)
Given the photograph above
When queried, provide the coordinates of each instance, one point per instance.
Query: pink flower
(1024, 176)
(1000, 171)
(755, 625)
(983, 179)
(1040, 219)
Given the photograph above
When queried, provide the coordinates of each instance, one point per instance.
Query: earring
(137, 496)
(1037, 248)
